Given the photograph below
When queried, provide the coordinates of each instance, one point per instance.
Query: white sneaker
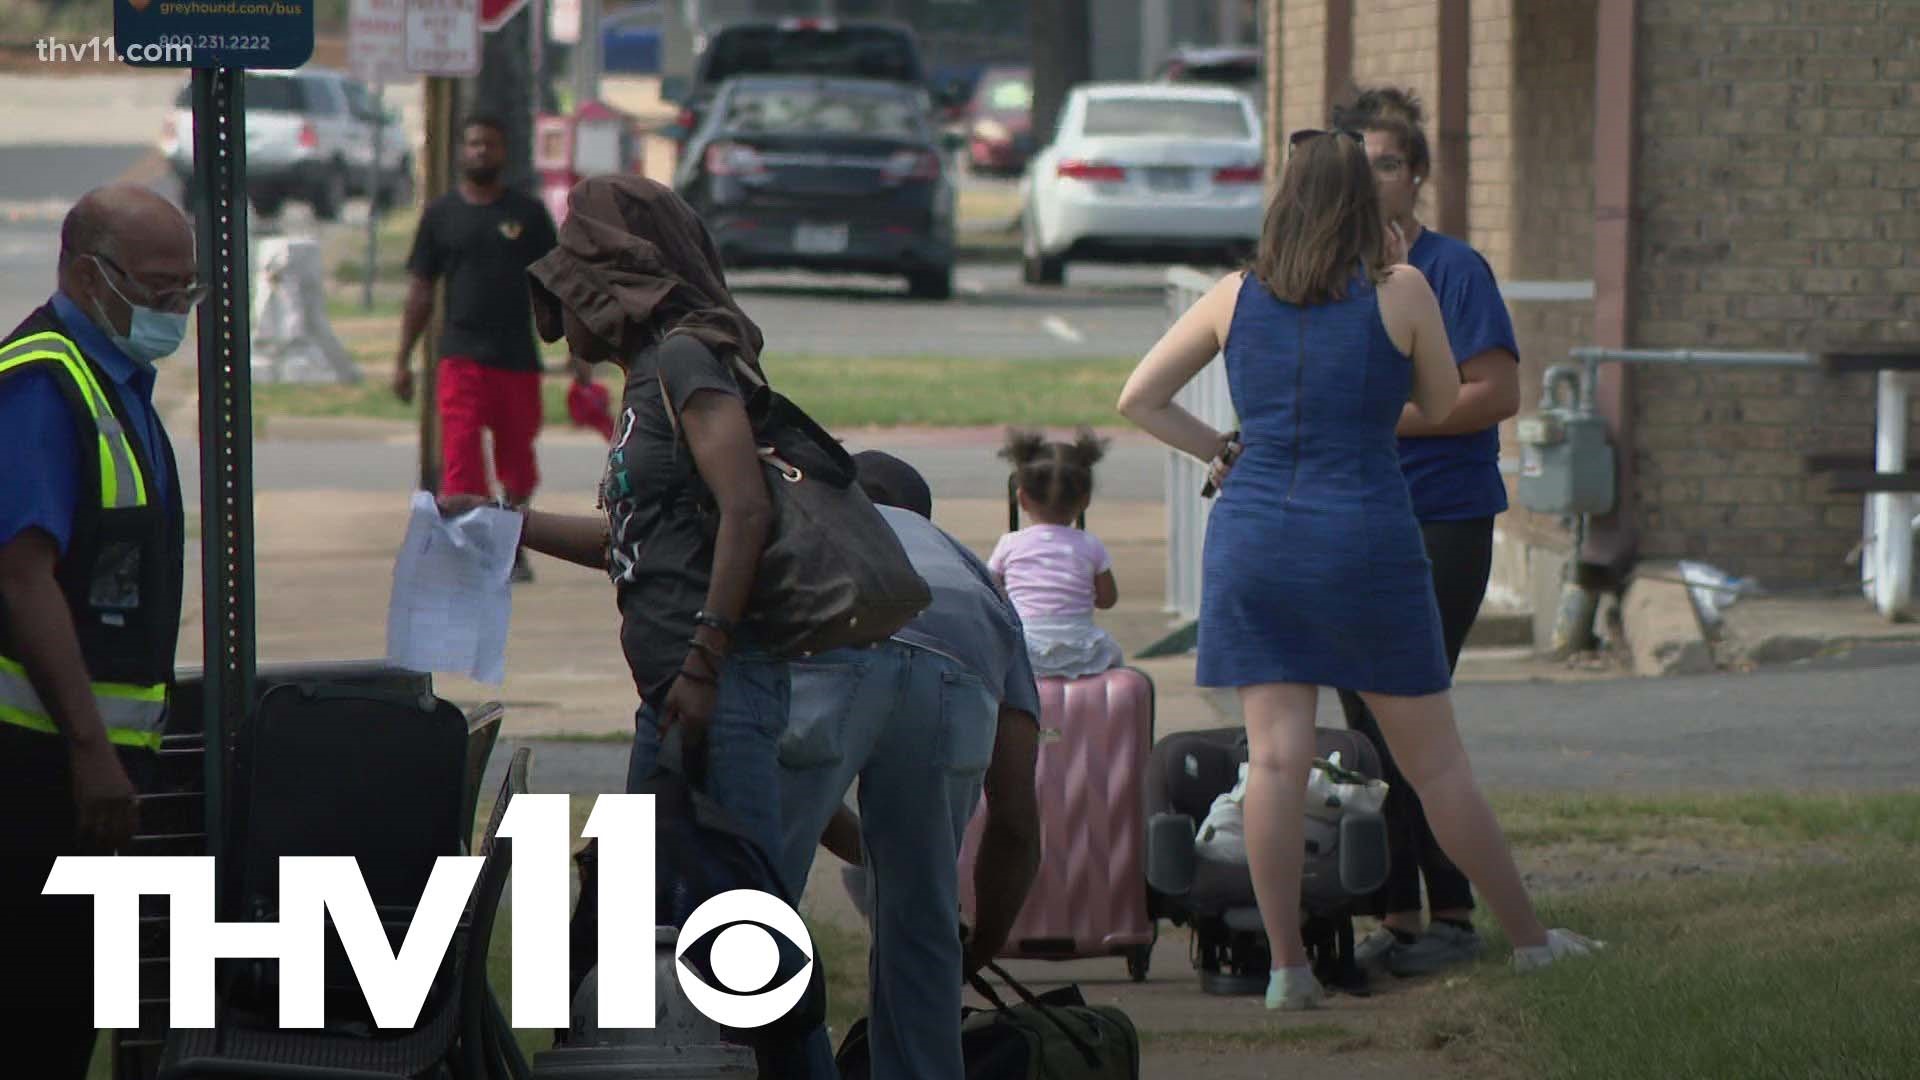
(1561, 945)
(1375, 951)
(1293, 989)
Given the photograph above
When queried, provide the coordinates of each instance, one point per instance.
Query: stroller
(1346, 861)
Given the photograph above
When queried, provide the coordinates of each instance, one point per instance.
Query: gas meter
(1566, 463)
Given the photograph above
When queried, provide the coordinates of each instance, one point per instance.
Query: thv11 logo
(744, 956)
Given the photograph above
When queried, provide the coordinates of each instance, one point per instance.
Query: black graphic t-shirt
(659, 511)
(484, 251)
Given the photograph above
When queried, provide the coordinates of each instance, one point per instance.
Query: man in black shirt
(480, 237)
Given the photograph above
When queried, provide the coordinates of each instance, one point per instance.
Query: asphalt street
(571, 468)
(1844, 724)
(1102, 311)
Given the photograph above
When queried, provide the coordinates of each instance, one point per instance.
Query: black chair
(483, 731)
(382, 778)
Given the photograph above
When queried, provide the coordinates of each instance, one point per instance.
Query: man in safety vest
(91, 556)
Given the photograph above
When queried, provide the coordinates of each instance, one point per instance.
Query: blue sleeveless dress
(1314, 567)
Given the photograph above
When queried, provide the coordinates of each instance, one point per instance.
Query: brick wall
(1779, 179)
(1490, 100)
(1550, 191)
(1303, 65)
(1397, 43)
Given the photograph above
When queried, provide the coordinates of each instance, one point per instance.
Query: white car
(1144, 172)
(309, 139)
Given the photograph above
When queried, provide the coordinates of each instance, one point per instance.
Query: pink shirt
(1049, 569)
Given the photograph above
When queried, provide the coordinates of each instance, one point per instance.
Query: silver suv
(310, 139)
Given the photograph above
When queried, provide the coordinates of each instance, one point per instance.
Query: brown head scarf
(633, 255)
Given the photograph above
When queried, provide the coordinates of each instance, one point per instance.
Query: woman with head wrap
(635, 281)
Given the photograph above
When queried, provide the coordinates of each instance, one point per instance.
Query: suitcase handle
(1087, 1052)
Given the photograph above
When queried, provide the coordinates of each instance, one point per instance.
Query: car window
(322, 98)
(359, 102)
(271, 94)
(1009, 95)
(1122, 116)
(823, 111)
(868, 52)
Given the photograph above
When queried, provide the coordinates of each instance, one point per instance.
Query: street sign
(274, 35)
(495, 13)
(443, 37)
(563, 21)
(377, 41)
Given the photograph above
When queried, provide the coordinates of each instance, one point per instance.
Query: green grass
(839, 392)
(1749, 820)
(1805, 972)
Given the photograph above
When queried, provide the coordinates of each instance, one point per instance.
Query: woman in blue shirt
(1452, 470)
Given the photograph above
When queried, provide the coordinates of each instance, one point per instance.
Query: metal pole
(439, 179)
(226, 438)
(373, 199)
(1892, 550)
(586, 55)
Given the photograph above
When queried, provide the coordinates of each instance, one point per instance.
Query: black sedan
(825, 174)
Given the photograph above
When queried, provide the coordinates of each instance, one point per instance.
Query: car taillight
(911, 165)
(734, 159)
(1091, 171)
(1239, 174)
(806, 24)
(686, 121)
(309, 138)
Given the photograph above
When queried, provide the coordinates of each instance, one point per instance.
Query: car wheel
(933, 284)
(331, 197)
(1037, 267)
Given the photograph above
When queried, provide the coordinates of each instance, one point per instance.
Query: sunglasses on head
(1304, 134)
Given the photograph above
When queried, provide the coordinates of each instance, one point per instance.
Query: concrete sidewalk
(325, 565)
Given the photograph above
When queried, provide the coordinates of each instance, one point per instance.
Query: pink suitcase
(1090, 896)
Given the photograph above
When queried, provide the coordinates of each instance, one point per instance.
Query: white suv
(310, 139)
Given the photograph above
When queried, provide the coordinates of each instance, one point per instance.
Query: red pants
(472, 397)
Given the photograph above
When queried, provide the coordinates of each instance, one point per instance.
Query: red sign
(495, 13)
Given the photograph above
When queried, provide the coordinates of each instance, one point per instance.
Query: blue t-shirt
(36, 426)
(1457, 477)
(969, 620)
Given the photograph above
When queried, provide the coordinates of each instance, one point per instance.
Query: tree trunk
(1062, 58)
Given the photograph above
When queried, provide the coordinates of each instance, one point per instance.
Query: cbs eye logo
(729, 959)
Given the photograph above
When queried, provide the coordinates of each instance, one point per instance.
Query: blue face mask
(150, 334)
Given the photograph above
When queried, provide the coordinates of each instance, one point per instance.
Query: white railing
(1208, 398)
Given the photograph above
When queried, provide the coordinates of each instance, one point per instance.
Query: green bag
(1050, 1036)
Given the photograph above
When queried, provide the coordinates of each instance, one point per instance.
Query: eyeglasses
(176, 301)
(1304, 134)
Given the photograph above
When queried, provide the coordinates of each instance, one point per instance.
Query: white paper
(451, 596)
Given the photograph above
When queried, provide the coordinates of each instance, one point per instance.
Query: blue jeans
(742, 774)
(916, 729)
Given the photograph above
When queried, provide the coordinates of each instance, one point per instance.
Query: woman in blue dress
(1315, 573)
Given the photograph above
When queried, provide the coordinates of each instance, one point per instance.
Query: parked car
(1144, 172)
(310, 138)
(825, 174)
(1237, 66)
(1000, 122)
(866, 49)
